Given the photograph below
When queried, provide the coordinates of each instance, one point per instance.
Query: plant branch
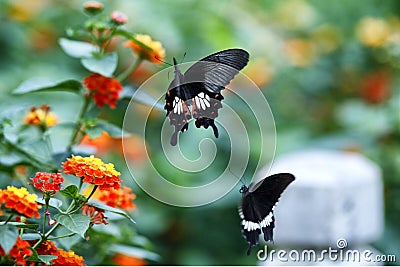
(122, 76)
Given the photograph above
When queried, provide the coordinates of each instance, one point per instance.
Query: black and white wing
(205, 80)
(178, 113)
(256, 210)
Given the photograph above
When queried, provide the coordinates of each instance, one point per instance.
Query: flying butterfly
(200, 87)
(257, 207)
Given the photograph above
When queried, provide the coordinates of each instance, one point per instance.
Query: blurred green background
(329, 70)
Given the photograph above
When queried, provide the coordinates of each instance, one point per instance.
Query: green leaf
(77, 49)
(95, 128)
(31, 236)
(135, 252)
(21, 225)
(141, 97)
(76, 223)
(53, 202)
(105, 65)
(67, 242)
(103, 206)
(8, 236)
(70, 191)
(46, 85)
(47, 258)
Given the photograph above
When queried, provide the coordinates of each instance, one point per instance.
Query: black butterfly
(200, 87)
(257, 207)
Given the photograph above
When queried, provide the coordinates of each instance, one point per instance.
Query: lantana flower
(20, 200)
(96, 214)
(48, 183)
(93, 171)
(104, 90)
(41, 117)
(64, 258)
(121, 198)
(68, 258)
(121, 259)
(18, 253)
(155, 51)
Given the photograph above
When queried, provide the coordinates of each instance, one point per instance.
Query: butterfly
(257, 207)
(200, 87)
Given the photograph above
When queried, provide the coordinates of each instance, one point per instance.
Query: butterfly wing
(216, 71)
(178, 114)
(205, 79)
(257, 207)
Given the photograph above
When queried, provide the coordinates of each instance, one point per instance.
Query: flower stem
(8, 219)
(62, 236)
(87, 199)
(79, 123)
(122, 76)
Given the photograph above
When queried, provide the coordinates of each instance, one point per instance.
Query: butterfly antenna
(240, 179)
(184, 55)
(159, 59)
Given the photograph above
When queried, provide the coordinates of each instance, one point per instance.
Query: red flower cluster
(93, 171)
(18, 253)
(96, 215)
(104, 90)
(47, 182)
(121, 198)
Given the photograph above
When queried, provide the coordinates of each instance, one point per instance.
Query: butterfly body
(257, 206)
(200, 87)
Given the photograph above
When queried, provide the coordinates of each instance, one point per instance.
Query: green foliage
(8, 236)
(76, 223)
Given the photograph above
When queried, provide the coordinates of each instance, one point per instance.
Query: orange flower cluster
(68, 258)
(121, 198)
(47, 182)
(96, 215)
(20, 200)
(41, 117)
(93, 171)
(64, 258)
(45, 248)
(104, 90)
(19, 252)
(152, 51)
(127, 260)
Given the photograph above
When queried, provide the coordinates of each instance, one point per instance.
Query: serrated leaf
(110, 209)
(135, 252)
(77, 49)
(105, 65)
(47, 258)
(44, 84)
(21, 225)
(70, 191)
(76, 223)
(141, 97)
(8, 236)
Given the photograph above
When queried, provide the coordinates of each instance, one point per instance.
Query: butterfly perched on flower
(200, 87)
(256, 209)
